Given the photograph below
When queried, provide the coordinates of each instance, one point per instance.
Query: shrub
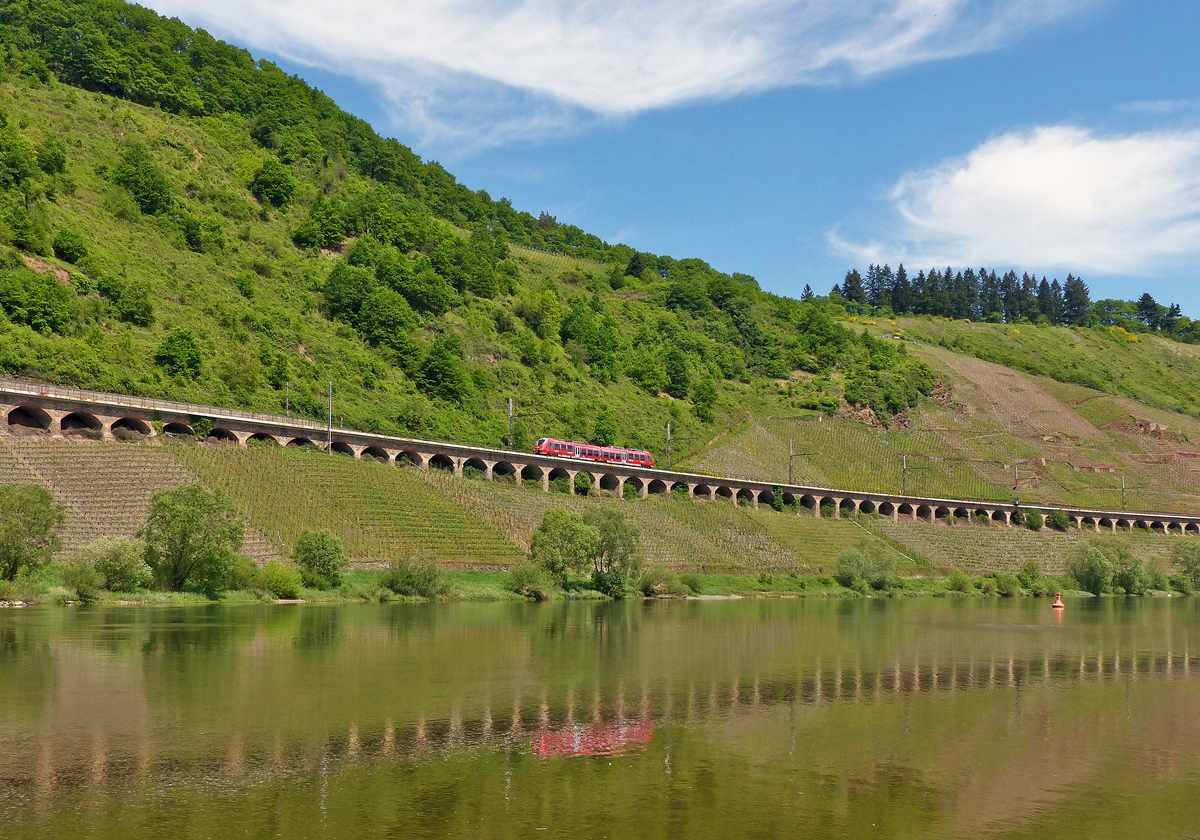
(179, 354)
(562, 543)
(583, 483)
(442, 372)
(959, 582)
(1058, 520)
(29, 523)
(319, 553)
(629, 491)
(139, 174)
(988, 586)
(870, 565)
(241, 574)
(120, 561)
(272, 182)
(405, 577)
(692, 582)
(1185, 557)
(191, 536)
(280, 579)
(657, 582)
(1129, 572)
(1008, 585)
(1031, 572)
(37, 300)
(611, 582)
(1091, 568)
(560, 485)
(81, 576)
(69, 246)
(1034, 520)
(529, 580)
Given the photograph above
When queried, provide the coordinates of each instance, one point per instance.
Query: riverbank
(363, 585)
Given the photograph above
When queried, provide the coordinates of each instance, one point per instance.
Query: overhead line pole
(329, 426)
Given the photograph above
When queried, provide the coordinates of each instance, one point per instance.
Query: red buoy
(1058, 604)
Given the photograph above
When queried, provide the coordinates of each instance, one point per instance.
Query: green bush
(81, 576)
(868, 566)
(1008, 585)
(629, 491)
(320, 554)
(529, 580)
(611, 582)
(241, 574)
(69, 246)
(988, 586)
(657, 582)
(280, 579)
(1059, 520)
(36, 300)
(1031, 572)
(120, 561)
(959, 582)
(406, 577)
(583, 483)
(141, 176)
(179, 354)
(560, 485)
(564, 543)
(191, 536)
(692, 582)
(273, 183)
(29, 523)
(1091, 568)
(1034, 520)
(1185, 558)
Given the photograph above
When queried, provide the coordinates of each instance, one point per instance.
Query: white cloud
(1055, 197)
(509, 67)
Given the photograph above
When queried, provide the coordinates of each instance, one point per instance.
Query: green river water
(775, 718)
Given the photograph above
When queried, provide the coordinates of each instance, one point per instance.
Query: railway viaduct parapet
(67, 412)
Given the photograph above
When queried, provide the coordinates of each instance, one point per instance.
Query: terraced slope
(1063, 443)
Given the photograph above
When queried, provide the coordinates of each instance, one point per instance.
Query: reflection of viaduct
(571, 720)
(67, 412)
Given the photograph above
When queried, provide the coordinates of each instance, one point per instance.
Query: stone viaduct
(68, 412)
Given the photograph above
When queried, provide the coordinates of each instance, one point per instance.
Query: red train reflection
(593, 739)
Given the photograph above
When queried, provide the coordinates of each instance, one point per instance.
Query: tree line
(985, 295)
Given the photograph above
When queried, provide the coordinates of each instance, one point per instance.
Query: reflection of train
(591, 452)
(595, 739)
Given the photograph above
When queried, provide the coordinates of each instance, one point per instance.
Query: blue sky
(792, 139)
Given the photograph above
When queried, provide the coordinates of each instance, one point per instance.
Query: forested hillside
(188, 223)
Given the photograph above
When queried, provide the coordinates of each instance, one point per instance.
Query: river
(929, 717)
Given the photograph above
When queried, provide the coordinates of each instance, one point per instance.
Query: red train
(591, 452)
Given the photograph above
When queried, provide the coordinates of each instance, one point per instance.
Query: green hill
(183, 222)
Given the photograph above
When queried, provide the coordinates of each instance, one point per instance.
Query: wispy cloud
(1161, 106)
(480, 71)
(1052, 197)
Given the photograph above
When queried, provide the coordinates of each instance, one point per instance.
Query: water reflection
(968, 711)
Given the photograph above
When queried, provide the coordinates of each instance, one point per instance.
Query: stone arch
(848, 506)
(136, 425)
(703, 491)
(943, 512)
(745, 495)
(809, 502)
(1178, 526)
(1087, 520)
(887, 509)
(656, 487)
(478, 468)
(867, 506)
(178, 429)
(377, 453)
(725, 493)
(1105, 522)
(767, 497)
(962, 513)
(531, 472)
(925, 512)
(1192, 528)
(260, 437)
(789, 498)
(999, 516)
(81, 421)
(558, 473)
(827, 502)
(29, 416)
(636, 483)
(610, 482)
(1124, 523)
(219, 433)
(504, 471)
(413, 457)
(340, 447)
(300, 442)
(681, 486)
(906, 509)
(441, 461)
